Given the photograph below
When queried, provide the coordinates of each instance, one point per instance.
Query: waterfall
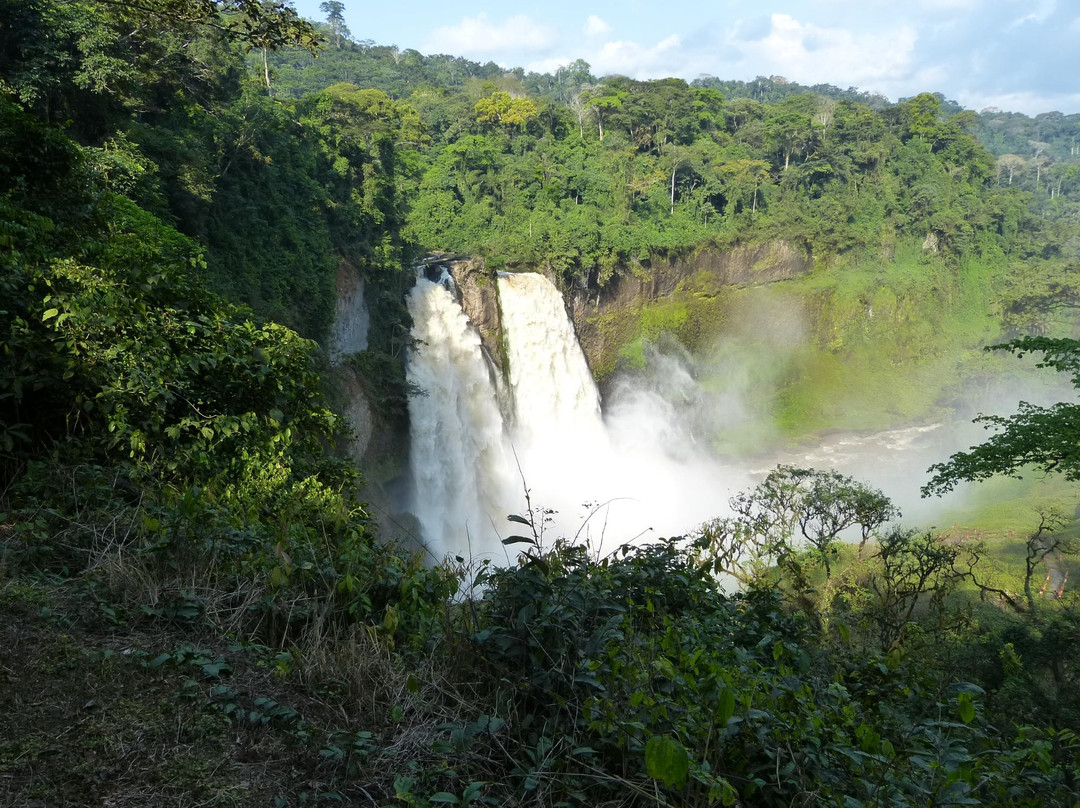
(586, 481)
(554, 395)
(460, 461)
(635, 472)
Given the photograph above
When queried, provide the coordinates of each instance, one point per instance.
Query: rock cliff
(608, 318)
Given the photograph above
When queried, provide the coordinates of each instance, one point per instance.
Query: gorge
(496, 430)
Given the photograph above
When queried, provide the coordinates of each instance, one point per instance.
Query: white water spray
(631, 477)
(459, 458)
(555, 397)
(636, 473)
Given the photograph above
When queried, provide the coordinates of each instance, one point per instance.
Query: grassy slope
(857, 345)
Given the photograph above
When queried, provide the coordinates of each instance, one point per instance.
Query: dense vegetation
(196, 606)
(587, 174)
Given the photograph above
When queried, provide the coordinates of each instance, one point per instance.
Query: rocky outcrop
(349, 333)
(741, 266)
(608, 318)
(358, 412)
(479, 292)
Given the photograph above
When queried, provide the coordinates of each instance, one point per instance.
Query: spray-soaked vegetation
(196, 606)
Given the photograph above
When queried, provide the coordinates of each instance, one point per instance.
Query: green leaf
(894, 658)
(213, 670)
(726, 707)
(49, 314)
(729, 795)
(666, 760)
(518, 540)
(444, 797)
(471, 792)
(159, 660)
(966, 707)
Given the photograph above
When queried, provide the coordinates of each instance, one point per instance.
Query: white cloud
(548, 65)
(479, 37)
(594, 26)
(638, 61)
(1028, 102)
(1042, 12)
(810, 54)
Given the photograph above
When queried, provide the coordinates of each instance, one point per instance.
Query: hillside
(197, 606)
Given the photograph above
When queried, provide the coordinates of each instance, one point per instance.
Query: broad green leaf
(666, 760)
(966, 707)
(726, 707)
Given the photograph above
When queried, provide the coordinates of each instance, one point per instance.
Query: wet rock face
(605, 319)
(741, 266)
(349, 334)
(480, 301)
(359, 416)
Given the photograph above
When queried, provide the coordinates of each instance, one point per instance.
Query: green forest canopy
(167, 486)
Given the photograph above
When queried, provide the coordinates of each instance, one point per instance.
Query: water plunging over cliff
(554, 395)
(459, 458)
(644, 468)
(606, 484)
(631, 470)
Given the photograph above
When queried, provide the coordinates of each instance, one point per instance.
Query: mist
(670, 444)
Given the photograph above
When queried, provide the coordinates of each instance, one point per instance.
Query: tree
(743, 178)
(1046, 544)
(502, 108)
(793, 505)
(254, 23)
(334, 11)
(603, 102)
(1011, 163)
(908, 566)
(1045, 438)
(790, 126)
(571, 79)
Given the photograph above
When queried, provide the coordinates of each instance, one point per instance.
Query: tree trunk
(673, 170)
(266, 73)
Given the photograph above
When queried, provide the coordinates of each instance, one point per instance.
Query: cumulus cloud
(1028, 102)
(481, 38)
(1014, 54)
(594, 26)
(810, 53)
(638, 61)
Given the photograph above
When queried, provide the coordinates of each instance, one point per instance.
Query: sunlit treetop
(267, 24)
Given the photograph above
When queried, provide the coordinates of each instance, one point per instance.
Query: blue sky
(1021, 55)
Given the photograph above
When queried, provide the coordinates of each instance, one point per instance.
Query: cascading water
(558, 433)
(469, 466)
(459, 458)
(610, 483)
(635, 472)
(554, 396)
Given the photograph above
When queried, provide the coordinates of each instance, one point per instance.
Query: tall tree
(335, 17)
